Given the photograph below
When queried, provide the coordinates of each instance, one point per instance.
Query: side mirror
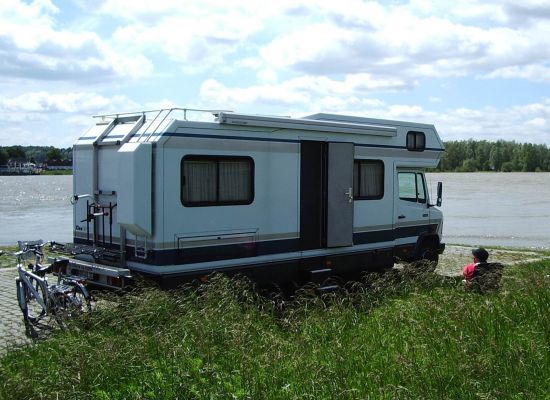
(439, 193)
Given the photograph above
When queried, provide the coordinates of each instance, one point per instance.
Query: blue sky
(475, 69)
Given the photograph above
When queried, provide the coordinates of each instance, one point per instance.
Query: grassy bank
(401, 335)
(56, 172)
(6, 256)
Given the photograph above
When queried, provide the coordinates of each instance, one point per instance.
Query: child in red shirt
(480, 256)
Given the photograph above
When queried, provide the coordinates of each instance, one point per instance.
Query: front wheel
(32, 301)
(428, 252)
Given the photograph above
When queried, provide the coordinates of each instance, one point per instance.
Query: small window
(216, 180)
(416, 141)
(411, 187)
(368, 179)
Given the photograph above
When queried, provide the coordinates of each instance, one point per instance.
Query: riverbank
(56, 172)
(399, 335)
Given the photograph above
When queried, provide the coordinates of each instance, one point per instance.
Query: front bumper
(441, 248)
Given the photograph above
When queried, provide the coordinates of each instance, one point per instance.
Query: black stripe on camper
(263, 248)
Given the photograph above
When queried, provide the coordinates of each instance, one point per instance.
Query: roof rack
(119, 128)
(162, 110)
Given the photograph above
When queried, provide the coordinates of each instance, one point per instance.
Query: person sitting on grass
(481, 276)
(480, 257)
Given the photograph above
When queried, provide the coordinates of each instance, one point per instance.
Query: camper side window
(416, 141)
(216, 180)
(368, 179)
(411, 187)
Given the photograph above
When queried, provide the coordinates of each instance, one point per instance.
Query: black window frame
(217, 159)
(415, 200)
(364, 161)
(415, 135)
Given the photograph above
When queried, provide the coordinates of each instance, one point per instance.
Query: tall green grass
(404, 335)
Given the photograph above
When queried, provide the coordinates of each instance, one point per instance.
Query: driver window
(411, 187)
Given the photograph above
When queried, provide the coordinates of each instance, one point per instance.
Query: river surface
(492, 209)
(495, 209)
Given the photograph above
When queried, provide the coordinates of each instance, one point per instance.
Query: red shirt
(468, 271)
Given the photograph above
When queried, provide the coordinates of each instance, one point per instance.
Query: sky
(475, 69)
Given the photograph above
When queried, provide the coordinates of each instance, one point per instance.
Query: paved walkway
(13, 331)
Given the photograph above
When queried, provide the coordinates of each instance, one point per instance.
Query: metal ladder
(140, 246)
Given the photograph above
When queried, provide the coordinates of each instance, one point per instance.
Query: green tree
(53, 154)
(3, 157)
(496, 157)
(16, 152)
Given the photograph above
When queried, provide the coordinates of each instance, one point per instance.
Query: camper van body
(275, 198)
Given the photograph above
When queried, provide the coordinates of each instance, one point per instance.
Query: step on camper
(278, 199)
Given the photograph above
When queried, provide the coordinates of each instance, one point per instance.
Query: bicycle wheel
(78, 300)
(31, 307)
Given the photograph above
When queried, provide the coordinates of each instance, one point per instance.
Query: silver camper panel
(140, 169)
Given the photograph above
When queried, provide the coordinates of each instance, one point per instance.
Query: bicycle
(37, 298)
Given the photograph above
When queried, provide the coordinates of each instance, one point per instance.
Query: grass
(407, 334)
(56, 172)
(7, 259)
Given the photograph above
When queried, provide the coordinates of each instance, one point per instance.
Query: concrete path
(13, 331)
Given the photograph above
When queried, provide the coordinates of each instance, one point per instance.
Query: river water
(498, 209)
(492, 209)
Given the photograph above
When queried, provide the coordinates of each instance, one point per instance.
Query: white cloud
(44, 118)
(399, 41)
(198, 36)
(524, 123)
(536, 73)
(32, 47)
(76, 102)
(306, 91)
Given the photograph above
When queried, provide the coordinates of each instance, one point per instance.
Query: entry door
(340, 195)
(326, 194)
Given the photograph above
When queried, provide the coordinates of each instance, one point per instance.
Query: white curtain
(234, 180)
(202, 177)
(200, 180)
(372, 179)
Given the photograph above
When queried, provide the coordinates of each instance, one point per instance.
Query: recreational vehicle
(279, 199)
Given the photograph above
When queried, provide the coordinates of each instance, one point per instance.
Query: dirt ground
(455, 257)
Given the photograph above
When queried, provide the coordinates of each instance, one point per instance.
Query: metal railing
(161, 115)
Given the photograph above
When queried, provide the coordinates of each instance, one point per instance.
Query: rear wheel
(74, 302)
(79, 300)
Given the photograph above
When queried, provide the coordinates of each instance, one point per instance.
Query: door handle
(349, 193)
(425, 215)
(401, 217)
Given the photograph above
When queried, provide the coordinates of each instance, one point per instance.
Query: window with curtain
(368, 179)
(216, 180)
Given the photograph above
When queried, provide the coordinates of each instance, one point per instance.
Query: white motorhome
(275, 198)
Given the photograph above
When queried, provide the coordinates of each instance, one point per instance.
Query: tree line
(501, 156)
(36, 154)
(459, 156)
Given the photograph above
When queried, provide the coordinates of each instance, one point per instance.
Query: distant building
(59, 164)
(19, 166)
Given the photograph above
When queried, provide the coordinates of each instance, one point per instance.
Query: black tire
(33, 310)
(78, 301)
(428, 252)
